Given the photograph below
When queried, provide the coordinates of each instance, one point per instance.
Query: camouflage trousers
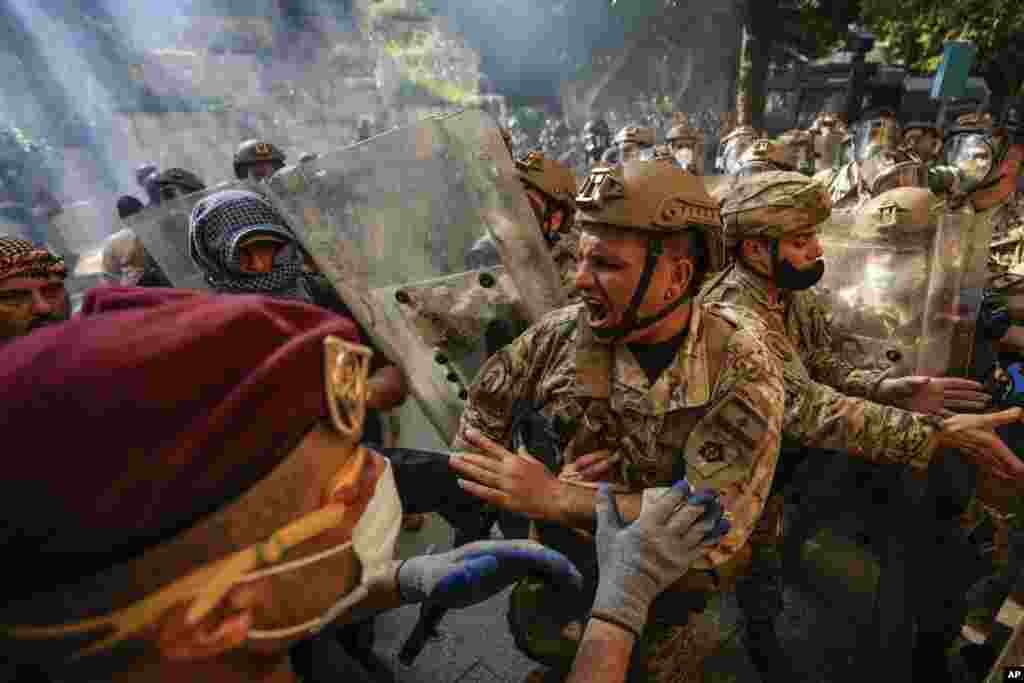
(548, 627)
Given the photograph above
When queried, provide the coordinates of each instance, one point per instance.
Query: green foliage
(383, 10)
(915, 31)
(417, 57)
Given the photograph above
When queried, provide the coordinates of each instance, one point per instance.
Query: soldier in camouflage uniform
(257, 160)
(828, 132)
(732, 146)
(641, 384)
(879, 164)
(762, 156)
(629, 143)
(551, 189)
(686, 143)
(771, 223)
(799, 148)
(922, 140)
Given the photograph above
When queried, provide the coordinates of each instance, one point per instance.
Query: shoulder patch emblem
(712, 451)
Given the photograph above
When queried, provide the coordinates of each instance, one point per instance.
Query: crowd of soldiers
(692, 384)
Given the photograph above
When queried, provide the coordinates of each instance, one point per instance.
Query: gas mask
(976, 153)
(684, 156)
(874, 137)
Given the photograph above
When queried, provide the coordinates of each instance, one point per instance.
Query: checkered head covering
(223, 221)
(21, 258)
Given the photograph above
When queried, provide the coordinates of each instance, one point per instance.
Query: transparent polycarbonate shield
(875, 290)
(393, 222)
(955, 289)
(81, 225)
(163, 231)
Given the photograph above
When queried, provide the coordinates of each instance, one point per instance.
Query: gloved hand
(639, 561)
(475, 572)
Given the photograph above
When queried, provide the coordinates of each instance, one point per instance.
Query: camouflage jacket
(827, 399)
(716, 411)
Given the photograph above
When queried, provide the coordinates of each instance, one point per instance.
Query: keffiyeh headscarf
(21, 258)
(221, 222)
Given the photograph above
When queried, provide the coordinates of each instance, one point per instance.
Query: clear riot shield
(906, 303)
(392, 222)
(955, 290)
(875, 290)
(163, 230)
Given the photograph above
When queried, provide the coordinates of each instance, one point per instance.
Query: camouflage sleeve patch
(735, 447)
(818, 416)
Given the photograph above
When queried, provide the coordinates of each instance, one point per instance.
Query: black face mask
(788, 276)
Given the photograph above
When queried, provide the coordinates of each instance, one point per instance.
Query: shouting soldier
(638, 385)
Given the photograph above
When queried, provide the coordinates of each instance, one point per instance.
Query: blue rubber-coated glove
(477, 571)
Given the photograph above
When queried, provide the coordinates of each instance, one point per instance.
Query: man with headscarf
(213, 529)
(32, 293)
(244, 246)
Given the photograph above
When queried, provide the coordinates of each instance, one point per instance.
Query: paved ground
(475, 645)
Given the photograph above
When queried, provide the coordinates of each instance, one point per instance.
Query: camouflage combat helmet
(772, 205)
(653, 197)
(657, 199)
(684, 130)
(254, 151)
(732, 146)
(762, 156)
(899, 213)
(740, 131)
(549, 176)
(641, 135)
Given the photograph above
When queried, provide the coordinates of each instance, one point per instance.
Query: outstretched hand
(975, 436)
(934, 395)
(477, 571)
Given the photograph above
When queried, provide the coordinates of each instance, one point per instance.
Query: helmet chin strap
(630, 323)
